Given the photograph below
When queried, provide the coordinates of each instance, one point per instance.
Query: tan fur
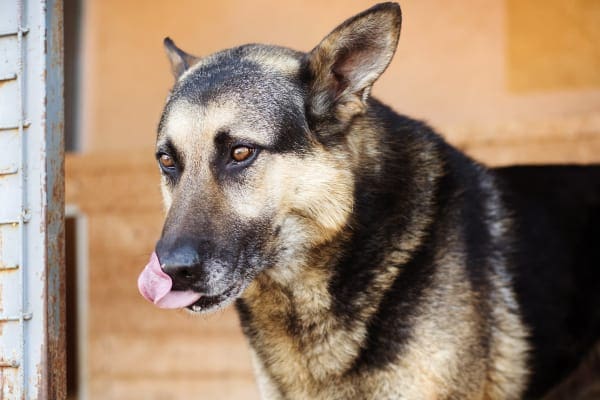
(508, 371)
(325, 350)
(278, 62)
(321, 194)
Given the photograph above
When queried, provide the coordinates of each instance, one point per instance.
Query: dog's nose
(182, 264)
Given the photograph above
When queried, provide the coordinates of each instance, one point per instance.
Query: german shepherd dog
(367, 258)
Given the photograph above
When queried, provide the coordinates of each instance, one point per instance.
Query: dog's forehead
(251, 92)
(280, 60)
(190, 124)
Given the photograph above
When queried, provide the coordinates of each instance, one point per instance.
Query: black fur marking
(393, 189)
(468, 201)
(391, 327)
(556, 213)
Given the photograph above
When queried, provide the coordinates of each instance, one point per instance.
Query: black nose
(182, 263)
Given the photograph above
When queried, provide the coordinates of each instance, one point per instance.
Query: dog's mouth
(209, 303)
(157, 287)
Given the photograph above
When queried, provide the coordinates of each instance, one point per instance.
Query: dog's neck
(295, 331)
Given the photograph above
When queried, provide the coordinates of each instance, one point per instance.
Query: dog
(367, 258)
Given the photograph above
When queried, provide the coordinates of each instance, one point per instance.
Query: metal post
(54, 222)
(32, 356)
(22, 192)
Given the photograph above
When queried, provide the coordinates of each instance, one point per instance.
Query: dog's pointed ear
(344, 66)
(180, 60)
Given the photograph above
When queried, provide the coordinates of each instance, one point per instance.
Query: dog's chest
(299, 345)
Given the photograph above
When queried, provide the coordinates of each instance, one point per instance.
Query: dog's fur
(368, 258)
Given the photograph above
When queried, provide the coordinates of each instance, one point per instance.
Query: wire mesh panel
(31, 201)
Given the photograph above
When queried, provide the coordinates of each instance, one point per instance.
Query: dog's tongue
(155, 286)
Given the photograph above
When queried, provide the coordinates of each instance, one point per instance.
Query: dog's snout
(192, 265)
(181, 263)
(182, 275)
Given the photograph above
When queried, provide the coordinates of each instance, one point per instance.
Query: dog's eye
(241, 153)
(166, 161)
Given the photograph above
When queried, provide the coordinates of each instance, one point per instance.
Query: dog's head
(256, 166)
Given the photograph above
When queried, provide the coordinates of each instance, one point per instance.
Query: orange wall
(457, 65)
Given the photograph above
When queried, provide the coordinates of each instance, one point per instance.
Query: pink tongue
(155, 286)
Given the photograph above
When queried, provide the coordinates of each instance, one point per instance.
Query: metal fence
(32, 354)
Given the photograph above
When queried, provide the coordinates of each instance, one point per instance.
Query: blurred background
(507, 81)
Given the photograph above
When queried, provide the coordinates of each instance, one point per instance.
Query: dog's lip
(208, 302)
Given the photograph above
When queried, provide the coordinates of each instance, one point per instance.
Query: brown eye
(241, 153)
(166, 161)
